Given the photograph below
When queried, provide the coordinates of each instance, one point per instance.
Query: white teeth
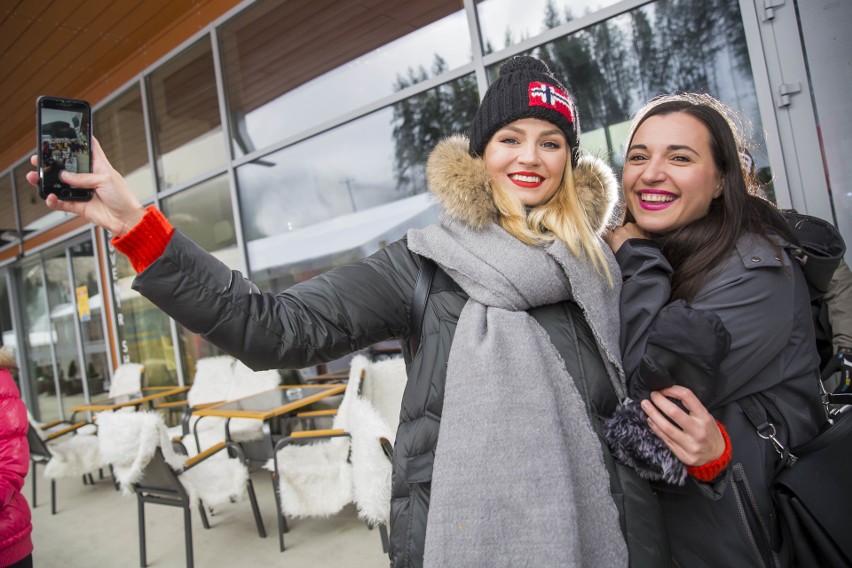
(656, 197)
(529, 179)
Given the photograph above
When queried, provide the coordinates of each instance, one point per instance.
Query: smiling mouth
(656, 197)
(655, 200)
(526, 180)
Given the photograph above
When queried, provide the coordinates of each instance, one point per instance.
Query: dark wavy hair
(698, 248)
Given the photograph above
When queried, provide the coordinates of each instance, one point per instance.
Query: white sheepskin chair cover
(220, 379)
(73, 456)
(371, 469)
(212, 380)
(247, 383)
(319, 480)
(315, 480)
(128, 442)
(126, 380)
(383, 387)
(374, 416)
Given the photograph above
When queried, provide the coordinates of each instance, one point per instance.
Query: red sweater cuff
(145, 243)
(711, 470)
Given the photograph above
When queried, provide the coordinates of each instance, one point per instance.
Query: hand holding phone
(64, 137)
(113, 204)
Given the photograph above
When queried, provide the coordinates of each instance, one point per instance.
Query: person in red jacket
(16, 544)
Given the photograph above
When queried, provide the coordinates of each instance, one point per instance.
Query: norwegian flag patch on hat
(552, 97)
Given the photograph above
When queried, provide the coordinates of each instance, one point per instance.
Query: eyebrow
(670, 148)
(550, 132)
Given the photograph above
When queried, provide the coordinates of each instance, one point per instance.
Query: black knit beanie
(525, 89)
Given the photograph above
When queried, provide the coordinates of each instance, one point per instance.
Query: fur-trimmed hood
(459, 182)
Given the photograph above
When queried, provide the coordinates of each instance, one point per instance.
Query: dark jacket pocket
(753, 522)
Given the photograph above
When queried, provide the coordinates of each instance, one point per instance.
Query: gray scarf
(519, 477)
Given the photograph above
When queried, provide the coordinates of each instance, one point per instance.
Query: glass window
(40, 336)
(120, 128)
(34, 213)
(504, 23)
(283, 76)
(339, 196)
(143, 330)
(89, 316)
(51, 349)
(8, 224)
(205, 214)
(188, 138)
(615, 66)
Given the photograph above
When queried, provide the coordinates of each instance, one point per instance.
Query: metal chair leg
(261, 530)
(52, 496)
(383, 533)
(143, 560)
(33, 469)
(187, 527)
(204, 520)
(278, 513)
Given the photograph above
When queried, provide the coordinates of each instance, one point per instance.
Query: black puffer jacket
(354, 306)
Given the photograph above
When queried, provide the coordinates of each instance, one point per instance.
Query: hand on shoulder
(616, 237)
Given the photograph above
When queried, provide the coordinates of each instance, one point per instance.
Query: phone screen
(64, 143)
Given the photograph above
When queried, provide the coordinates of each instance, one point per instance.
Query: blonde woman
(499, 458)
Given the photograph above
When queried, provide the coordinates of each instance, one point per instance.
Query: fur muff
(459, 182)
(634, 444)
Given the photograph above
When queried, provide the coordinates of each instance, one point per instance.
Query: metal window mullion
(765, 104)
(149, 138)
(476, 46)
(173, 328)
(99, 237)
(224, 114)
(19, 223)
(78, 328)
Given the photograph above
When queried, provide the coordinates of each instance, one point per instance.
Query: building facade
(288, 138)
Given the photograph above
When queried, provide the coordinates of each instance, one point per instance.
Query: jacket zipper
(742, 489)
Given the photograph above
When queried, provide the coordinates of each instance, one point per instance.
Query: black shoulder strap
(418, 302)
(764, 422)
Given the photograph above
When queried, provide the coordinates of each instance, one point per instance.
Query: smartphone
(64, 135)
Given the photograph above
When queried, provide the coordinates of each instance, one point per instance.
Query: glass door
(63, 327)
(88, 317)
(39, 344)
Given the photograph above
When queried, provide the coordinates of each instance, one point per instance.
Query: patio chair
(143, 460)
(220, 379)
(318, 472)
(71, 456)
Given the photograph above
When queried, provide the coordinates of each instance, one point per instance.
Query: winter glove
(685, 346)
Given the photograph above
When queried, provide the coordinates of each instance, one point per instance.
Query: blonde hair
(560, 217)
(7, 360)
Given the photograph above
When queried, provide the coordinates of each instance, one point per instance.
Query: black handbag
(812, 490)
